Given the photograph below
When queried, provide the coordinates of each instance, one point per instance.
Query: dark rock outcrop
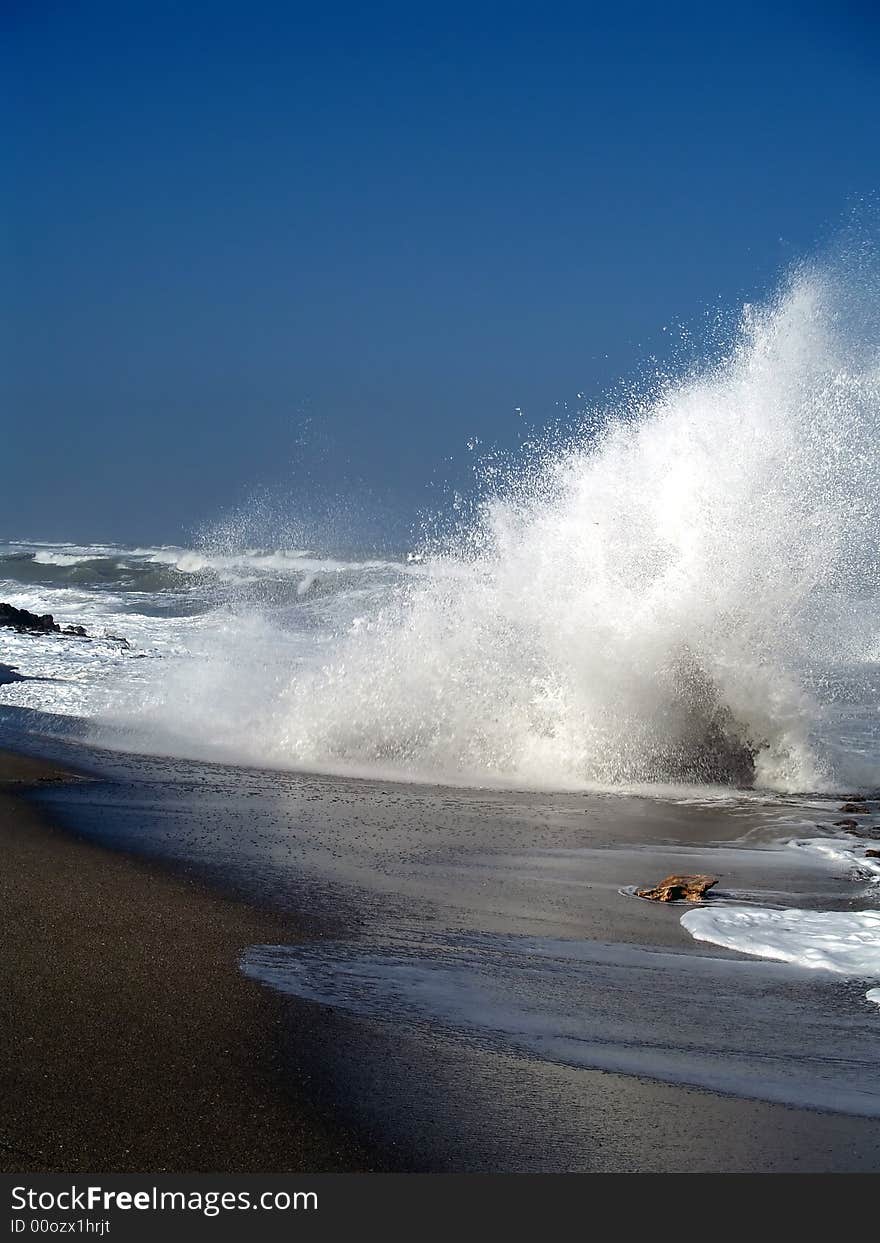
(21, 619)
(36, 623)
(704, 742)
(679, 888)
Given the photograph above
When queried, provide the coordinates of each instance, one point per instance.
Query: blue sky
(316, 249)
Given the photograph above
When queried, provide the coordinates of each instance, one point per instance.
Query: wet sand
(131, 1042)
(138, 1045)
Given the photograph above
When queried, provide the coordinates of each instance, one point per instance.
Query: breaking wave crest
(678, 598)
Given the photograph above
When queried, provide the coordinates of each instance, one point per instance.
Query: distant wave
(63, 559)
(15, 557)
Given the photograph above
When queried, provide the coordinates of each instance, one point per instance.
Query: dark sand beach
(131, 1041)
(410, 1022)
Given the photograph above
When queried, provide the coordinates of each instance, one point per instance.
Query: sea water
(682, 597)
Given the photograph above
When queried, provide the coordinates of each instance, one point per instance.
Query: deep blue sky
(319, 247)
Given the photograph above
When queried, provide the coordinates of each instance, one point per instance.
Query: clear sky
(317, 248)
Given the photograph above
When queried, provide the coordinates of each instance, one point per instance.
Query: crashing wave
(671, 600)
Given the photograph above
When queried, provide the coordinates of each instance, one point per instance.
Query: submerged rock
(679, 888)
(863, 830)
(846, 824)
(860, 809)
(705, 743)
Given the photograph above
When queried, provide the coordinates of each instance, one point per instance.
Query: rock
(863, 830)
(860, 809)
(846, 824)
(35, 623)
(872, 854)
(707, 745)
(679, 888)
(21, 619)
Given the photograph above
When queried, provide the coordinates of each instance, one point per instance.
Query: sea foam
(843, 942)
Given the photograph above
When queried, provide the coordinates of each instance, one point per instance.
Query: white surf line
(849, 853)
(843, 942)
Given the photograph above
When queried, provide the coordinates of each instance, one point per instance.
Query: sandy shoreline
(138, 1045)
(131, 1040)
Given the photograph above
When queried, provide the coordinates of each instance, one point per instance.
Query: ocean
(683, 593)
(679, 605)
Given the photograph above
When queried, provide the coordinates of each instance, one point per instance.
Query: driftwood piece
(679, 888)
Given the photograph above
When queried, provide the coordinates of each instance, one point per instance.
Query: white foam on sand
(844, 942)
(846, 856)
